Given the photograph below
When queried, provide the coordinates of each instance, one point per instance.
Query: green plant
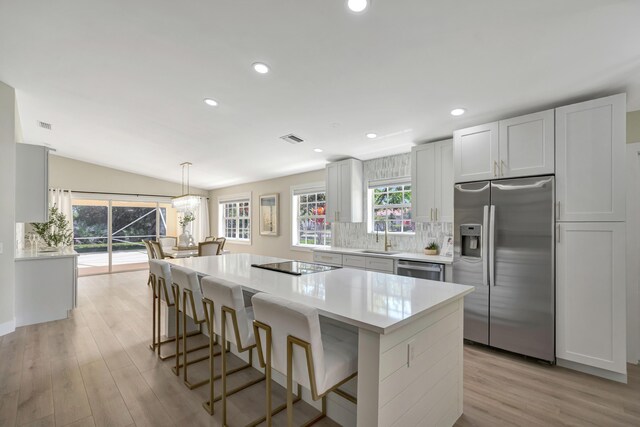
(186, 219)
(56, 231)
(433, 246)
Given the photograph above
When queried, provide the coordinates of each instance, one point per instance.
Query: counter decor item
(186, 239)
(269, 215)
(55, 233)
(432, 249)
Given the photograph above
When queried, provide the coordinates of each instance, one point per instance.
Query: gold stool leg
(176, 300)
(152, 283)
(289, 384)
(223, 326)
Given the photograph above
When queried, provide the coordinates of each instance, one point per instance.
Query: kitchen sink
(379, 252)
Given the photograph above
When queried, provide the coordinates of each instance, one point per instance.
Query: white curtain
(62, 199)
(200, 227)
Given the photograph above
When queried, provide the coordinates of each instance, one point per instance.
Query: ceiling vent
(44, 125)
(292, 139)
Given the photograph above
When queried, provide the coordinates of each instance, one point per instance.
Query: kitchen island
(410, 335)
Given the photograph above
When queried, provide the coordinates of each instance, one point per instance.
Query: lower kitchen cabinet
(591, 296)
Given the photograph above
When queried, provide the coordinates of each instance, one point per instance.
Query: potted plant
(432, 249)
(56, 232)
(185, 239)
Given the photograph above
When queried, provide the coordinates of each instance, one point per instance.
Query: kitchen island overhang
(410, 334)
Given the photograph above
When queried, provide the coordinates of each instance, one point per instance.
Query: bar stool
(292, 339)
(186, 291)
(152, 283)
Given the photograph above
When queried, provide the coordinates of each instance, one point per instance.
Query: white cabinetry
(432, 182)
(32, 183)
(475, 153)
(345, 191)
(591, 312)
(590, 151)
(521, 146)
(526, 145)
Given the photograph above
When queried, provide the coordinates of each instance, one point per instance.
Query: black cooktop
(296, 268)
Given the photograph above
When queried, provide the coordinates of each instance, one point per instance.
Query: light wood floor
(95, 368)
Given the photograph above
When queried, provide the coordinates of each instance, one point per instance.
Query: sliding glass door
(108, 234)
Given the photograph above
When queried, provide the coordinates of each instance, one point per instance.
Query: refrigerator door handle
(492, 247)
(485, 245)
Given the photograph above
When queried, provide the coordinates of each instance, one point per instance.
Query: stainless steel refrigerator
(504, 246)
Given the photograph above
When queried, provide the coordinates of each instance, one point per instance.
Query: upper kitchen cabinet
(475, 152)
(590, 151)
(517, 147)
(432, 182)
(32, 183)
(527, 145)
(344, 191)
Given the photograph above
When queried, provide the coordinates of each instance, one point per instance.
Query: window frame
(236, 198)
(296, 192)
(390, 182)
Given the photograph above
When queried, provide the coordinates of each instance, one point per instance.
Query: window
(390, 207)
(235, 219)
(310, 228)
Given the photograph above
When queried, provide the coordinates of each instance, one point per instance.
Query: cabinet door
(590, 288)
(423, 182)
(590, 150)
(444, 181)
(475, 153)
(333, 191)
(527, 145)
(32, 183)
(351, 191)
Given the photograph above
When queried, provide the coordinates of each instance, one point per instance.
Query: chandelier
(187, 201)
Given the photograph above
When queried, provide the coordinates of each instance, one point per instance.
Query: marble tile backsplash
(354, 235)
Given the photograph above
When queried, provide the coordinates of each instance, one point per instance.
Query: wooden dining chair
(168, 241)
(208, 248)
(210, 239)
(157, 248)
(220, 241)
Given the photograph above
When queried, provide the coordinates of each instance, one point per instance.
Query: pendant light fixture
(187, 201)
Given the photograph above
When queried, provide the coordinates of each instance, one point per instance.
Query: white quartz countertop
(30, 255)
(375, 301)
(412, 256)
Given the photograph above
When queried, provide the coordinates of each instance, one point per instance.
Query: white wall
(71, 174)
(7, 206)
(278, 246)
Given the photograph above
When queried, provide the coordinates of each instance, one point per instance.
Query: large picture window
(236, 219)
(310, 228)
(390, 208)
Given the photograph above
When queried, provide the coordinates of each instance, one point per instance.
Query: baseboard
(7, 327)
(598, 372)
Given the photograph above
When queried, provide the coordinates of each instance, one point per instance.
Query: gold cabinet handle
(495, 168)
(501, 165)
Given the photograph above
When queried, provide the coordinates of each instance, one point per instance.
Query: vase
(431, 252)
(185, 239)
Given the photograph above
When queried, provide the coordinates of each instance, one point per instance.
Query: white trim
(297, 190)
(387, 182)
(7, 327)
(308, 188)
(592, 370)
(234, 197)
(120, 198)
(633, 252)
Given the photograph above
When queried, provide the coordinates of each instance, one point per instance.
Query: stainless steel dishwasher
(421, 270)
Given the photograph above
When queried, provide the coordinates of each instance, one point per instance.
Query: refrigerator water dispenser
(471, 236)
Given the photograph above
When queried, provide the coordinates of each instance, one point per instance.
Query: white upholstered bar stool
(227, 317)
(187, 295)
(319, 355)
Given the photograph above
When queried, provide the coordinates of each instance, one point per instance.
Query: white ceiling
(122, 82)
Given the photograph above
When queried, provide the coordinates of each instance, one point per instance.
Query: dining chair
(210, 238)
(228, 318)
(220, 241)
(157, 249)
(168, 241)
(293, 340)
(208, 248)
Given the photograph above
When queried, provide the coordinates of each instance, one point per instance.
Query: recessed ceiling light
(372, 135)
(260, 67)
(211, 102)
(318, 150)
(458, 111)
(357, 5)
